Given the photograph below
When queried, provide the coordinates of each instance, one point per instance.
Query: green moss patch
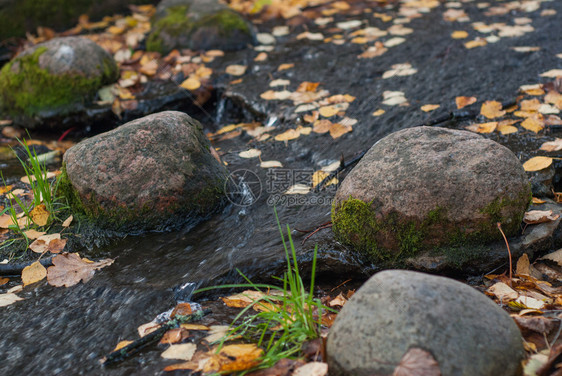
(29, 89)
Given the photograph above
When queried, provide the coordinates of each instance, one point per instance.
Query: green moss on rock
(28, 89)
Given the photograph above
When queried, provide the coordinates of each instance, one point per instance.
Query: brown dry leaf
(483, 128)
(33, 234)
(236, 69)
(40, 215)
(174, 336)
(537, 163)
(338, 301)
(39, 246)
(147, 328)
(552, 73)
(6, 221)
(48, 175)
(182, 309)
(234, 358)
(464, 101)
(539, 216)
(552, 145)
(417, 362)
(534, 123)
(337, 130)
(523, 265)
(69, 269)
(536, 201)
(33, 273)
(57, 245)
(502, 291)
(67, 221)
(322, 126)
(430, 107)
(492, 109)
(555, 256)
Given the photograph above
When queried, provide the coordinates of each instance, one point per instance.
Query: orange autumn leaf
(234, 358)
(464, 101)
(492, 109)
(307, 86)
(337, 130)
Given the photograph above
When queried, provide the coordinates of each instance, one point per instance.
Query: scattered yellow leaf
(5, 189)
(553, 73)
(291, 134)
(475, 43)
(338, 129)
(236, 70)
(459, 34)
(191, 83)
(533, 123)
(33, 273)
(328, 111)
(67, 221)
(285, 66)
(378, 112)
(483, 128)
(40, 215)
(552, 145)
(464, 101)
(430, 107)
(537, 163)
(33, 234)
(491, 109)
(122, 344)
(233, 358)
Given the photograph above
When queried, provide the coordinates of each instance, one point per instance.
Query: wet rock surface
(427, 187)
(198, 25)
(150, 174)
(54, 79)
(395, 311)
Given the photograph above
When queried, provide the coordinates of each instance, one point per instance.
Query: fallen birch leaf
(492, 109)
(555, 256)
(183, 351)
(8, 298)
(537, 163)
(252, 153)
(291, 134)
(523, 265)
(234, 358)
(459, 34)
(328, 111)
(33, 234)
(529, 302)
(483, 127)
(378, 112)
(552, 73)
(429, 107)
(503, 292)
(271, 164)
(539, 216)
(236, 70)
(552, 145)
(191, 83)
(312, 369)
(48, 175)
(69, 269)
(279, 82)
(533, 123)
(33, 273)
(464, 101)
(40, 215)
(216, 332)
(337, 130)
(417, 362)
(67, 221)
(122, 344)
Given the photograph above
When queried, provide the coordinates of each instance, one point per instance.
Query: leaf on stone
(4, 280)
(539, 216)
(147, 328)
(537, 163)
(276, 95)
(298, 189)
(429, 107)
(67, 221)
(328, 111)
(552, 73)
(216, 333)
(393, 98)
(291, 134)
(252, 153)
(33, 273)
(394, 41)
(191, 83)
(322, 126)
(459, 34)
(464, 101)
(555, 256)
(312, 369)
(234, 358)
(492, 109)
(69, 269)
(400, 70)
(483, 127)
(285, 66)
(183, 351)
(378, 112)
(181, 309)
(40, 215)
(189, 326)
(236, 69)
(417, 362)
(8, 298)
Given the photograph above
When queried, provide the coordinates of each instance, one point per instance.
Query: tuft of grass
(289, 317)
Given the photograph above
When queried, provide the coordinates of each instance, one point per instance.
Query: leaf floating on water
(285, 66)
(417, 362)
(183, 351)
(33, 273)
(338, 129)
(464, 101)
(191, 83)
(400, 70)
(492, 109)
(537, 163)
(69, 269)
(8, 298)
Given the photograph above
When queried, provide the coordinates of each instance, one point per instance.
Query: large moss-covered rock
(149, 174)
(54, 79)
(198, 25)
(429, 188)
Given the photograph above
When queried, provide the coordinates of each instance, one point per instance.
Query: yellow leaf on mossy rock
(537, 163)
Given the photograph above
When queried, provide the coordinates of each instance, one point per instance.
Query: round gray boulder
(149, 174)
(198, 25)
(395, 311)
(427, 187)
(54, 79)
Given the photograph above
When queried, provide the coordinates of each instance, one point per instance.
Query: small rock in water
(396, 311)
(53, 80)
(152, 173)
(430, 188)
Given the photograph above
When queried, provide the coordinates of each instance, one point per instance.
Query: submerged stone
(397, 310)
(429, 188)
(198, 25)
(54, 79)
(152, 173)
